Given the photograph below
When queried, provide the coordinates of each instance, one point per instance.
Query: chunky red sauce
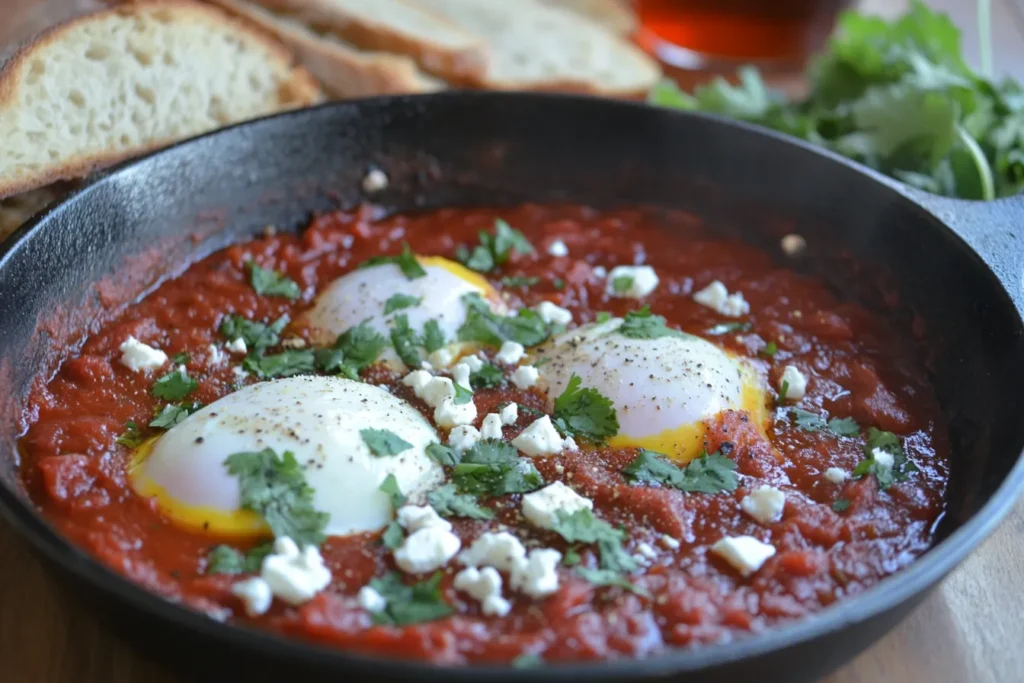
(860, 368)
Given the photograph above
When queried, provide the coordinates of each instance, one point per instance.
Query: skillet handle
(994, 230)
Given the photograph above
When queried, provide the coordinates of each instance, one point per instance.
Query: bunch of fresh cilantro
(896, 96)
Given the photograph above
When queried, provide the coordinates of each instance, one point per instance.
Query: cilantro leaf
(331, 361)
(888, 442)
(131, 437)
(410, 604)
(383, 442)
(608, 577)
(807, 421)
(487, 377)
(840, 505)
(257, 336)
(709, 473)
(433, 337)
(224, 559)
(527, 661)
(397, 302)
(481, 259)
(769, 350)
(643, 324)
(181, 358)
(844, 426)
(171, 414)
(726, 328)
(288, 363)
(495, 249)
(361, 345)
(393, 535)
(484, 326)
(622, 284)
(585, 412)
(583, 526)
(271, 283)
(406, 262)
(394, 493)
(175, 385)
(462, 394)
(275, 488)
(405, 341)
(493, 467)
(443, 455)
(519, 281)
(450, 503)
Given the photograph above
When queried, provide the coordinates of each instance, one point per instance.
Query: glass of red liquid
(716, 34)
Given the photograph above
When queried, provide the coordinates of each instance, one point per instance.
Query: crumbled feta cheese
(239, 372)
(510, 353)
(375, 180)
(426, 365)
(570, 444)
(539, 439)
(294, 343)
(416, 517)
(294, 576)
(452, 414)
(836, 475)
(371, 601)
(509, 414)
(500, 550)
(558, 249)
(437, 391)
(237, 346)
(793, 244)
(883, 459)
(765, 504)
(600, 271)
(745, 553)
(474, 362)
(525, 376)
(491, 427)
(214, 356)
(255, 595)
(442, 358)
(541, 508)
(552, 314)
(669, 542)
(417, 380)
(647, 551)
(715, 296)
(460, 373)
(140, 357)
(795, 383)
(537, 575)
(641, 281)
(463, 437)
(428, 549)
(485, 586)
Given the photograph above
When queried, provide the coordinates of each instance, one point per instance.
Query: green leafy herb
(841, 505)
(450, 503)
(807, 421)
(391, 488)
(583, 526)
(494, 250)
(410, 604)
(608, 577)
(257, 336)
(175, 385)
(397, 302)
(361, 345)
(888, 442)
(493, 467)
(331, 361)
(384, 442)
(487, 377)
(406, 262)
(288, 363)
(585, 412)
(643, 324)
(527, 661)
(171, 414)
(726, 328)
(783, 391)
(462, 394)
(484, 326)
(181, 358)
(405, 341)
(622, 284)
(571, 558)
(443, 455)
(709, 473)
(769, 350)
(602, 317)
(559, 284)
(844, 426)
(393, 535)
(131, 437)
(224, 559)
(271, 283)
(275, 488)
(433, 337)
(519, 281)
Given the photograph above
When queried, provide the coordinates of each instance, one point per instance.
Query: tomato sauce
(862, 368)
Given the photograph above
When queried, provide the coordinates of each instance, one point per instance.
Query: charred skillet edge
(881, 602)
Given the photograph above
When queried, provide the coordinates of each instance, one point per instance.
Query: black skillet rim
(889, 593)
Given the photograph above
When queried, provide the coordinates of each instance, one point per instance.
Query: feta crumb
(255, 595)
(553, 314)
(509, 414)
(500, 550)
(416, 517)
(525, 376)
(793, 244)
(294, 576)
(452, 414)
(239, 372)
(140, 357)
(294, 343)
(795, 383)
(485, 586)
(491, 427)
(539, 439)
(745, 553)
(600, 271)
(463, 437)
(642, 280)
(437, 391)
(237, 346)
(426, 365)
(214, 356)
(371, 601)
(510, 353)
(570, 444)
(715, 296)
(537, 575)
(558, 249)
(883, 459)
(442, 358)
(647, 551)
(417, 380)
(474, 362)
(541, 508)
(460, 373)
(427, 549)
(765, 504)
(669, 542)
(375, 180)
(836, 475)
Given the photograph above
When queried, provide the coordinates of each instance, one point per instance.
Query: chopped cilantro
(519, 281)
(493, 467)
(807, 421)
(609, 577)
(405, 341)
(558, 283)
(257, 336)
(583, 526)
(643, 324)
(175, 385)
(480, 259)
(462, 394)
(171, 414)
(410, 604)
(131, 437)
(181, 358)
(571, 558)
(487, 377)
(433, 337)
(397, 302)
(485, 326)
(709, 473)
(393, 535)
(271, 283)
(450, 503)
(603, 317)
(443, 455)
(224, 559)
(783, 390)
(769, 350)
(844, 426)
(331, 361)
(361, 345)
(406, 262)
(726, 328)
(527, 661)
(288, 363)
(585, 412)
(494, 250)
(394, 493)
(840, 505)
(383, 442)
(890, 443)
(622, 284)
(275, 488)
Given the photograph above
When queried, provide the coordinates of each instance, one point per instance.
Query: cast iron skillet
(956, 266)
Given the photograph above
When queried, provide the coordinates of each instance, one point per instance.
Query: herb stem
(988, 185)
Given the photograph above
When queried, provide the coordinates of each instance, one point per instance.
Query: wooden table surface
(971, 629)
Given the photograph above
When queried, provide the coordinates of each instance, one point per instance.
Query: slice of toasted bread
(341, 68)
(440, 47)
(124, 80)
(617, 16)
(540, 47)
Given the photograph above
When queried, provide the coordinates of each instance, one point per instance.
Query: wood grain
(970, 629)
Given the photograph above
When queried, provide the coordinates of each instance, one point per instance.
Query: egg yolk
(458, 270)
